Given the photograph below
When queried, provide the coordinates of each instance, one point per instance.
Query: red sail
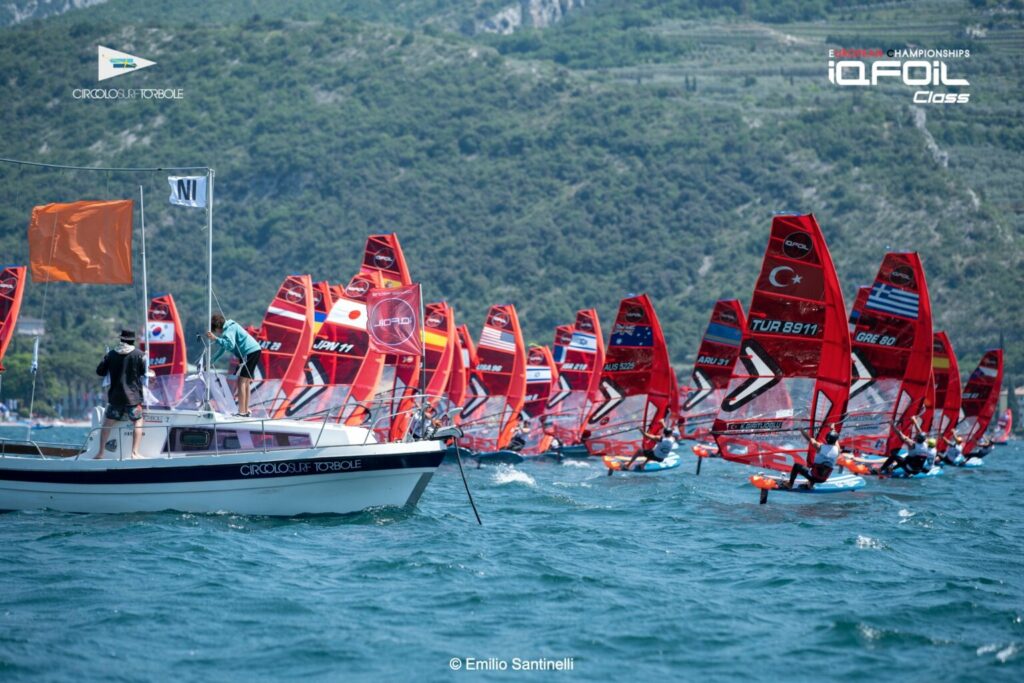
(383, 255)
(398, 383)
(579, 377)
(286, 336)
(712, 370)
(928, 404)
(980, 397)
(541, 379)
(167, 355)
(12, 287)
(439, 341)
(1003, 428)
(947, 389)
(563, 337)
(794, 361)
(339, 372)
(636, 386)
(168, 361)
(462, 364)
(497, 384)
(891, 331)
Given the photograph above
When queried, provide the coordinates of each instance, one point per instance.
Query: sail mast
(209, 278)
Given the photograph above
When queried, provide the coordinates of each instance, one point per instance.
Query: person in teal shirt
(231, 337)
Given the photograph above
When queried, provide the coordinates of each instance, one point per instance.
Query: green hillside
(636, 146)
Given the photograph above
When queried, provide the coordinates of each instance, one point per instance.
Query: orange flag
(88, 242)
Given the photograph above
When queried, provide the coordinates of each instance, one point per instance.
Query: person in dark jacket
(126, 367)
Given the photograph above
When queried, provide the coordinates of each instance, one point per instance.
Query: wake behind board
(841, 483)
(618, 463)
(973, 462)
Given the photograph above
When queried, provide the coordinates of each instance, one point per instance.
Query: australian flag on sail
(581, 341)
(633, 335)
(886, 299)
(723, 334)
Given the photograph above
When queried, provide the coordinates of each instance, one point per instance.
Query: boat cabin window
(201, 440)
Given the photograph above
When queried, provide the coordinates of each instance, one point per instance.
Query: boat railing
(422, 400)
(267, 426)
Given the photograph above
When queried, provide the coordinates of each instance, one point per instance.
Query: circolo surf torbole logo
(929, 72)
(112, 63)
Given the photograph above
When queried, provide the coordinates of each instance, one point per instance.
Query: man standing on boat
(230, 336)
(126, 367)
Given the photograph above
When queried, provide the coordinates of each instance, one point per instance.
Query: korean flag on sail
(188, 190)
(161, 332)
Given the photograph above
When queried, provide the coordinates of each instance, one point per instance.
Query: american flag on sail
(886, 299)
(497, 339)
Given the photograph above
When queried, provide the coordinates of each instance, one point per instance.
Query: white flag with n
(188, 190)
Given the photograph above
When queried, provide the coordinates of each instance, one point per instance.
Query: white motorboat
(204, 461)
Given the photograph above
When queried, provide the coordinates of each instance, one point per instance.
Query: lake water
(669, 576)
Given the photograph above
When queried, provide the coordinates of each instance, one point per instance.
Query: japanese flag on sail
(188, 190)
(393, 320)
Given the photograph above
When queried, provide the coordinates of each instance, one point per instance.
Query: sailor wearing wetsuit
(918, 458)
(954, 454)
(661, 450)
(822, 462)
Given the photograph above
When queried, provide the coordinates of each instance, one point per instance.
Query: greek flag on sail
(886, 299)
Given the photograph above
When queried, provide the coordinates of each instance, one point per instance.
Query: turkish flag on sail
(393, 320)
(89, 242)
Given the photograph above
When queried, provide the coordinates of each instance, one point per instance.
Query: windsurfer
(126, 367)
(822, 462)
(230, 336)
(954, 454)
(917, 458)
(518, 440)
(662, 449)
(985, 446)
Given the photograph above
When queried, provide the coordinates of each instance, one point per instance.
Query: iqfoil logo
(111, 63)
(925, 70)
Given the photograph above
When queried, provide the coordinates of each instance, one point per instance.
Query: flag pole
(209, 280)
(423, 351)
(145, 289)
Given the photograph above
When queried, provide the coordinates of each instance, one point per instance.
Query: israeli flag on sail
(886, 299)
(188, 190)
(538, 374)
(581, 341)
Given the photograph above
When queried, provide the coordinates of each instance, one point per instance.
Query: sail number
(874, 338)
(619, 367)
(488, 367)
(270, 346)
(784, 327)
(712, 360)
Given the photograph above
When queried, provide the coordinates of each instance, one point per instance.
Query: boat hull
(327, 481)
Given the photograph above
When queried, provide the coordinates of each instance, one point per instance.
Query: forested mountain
(629, 146)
